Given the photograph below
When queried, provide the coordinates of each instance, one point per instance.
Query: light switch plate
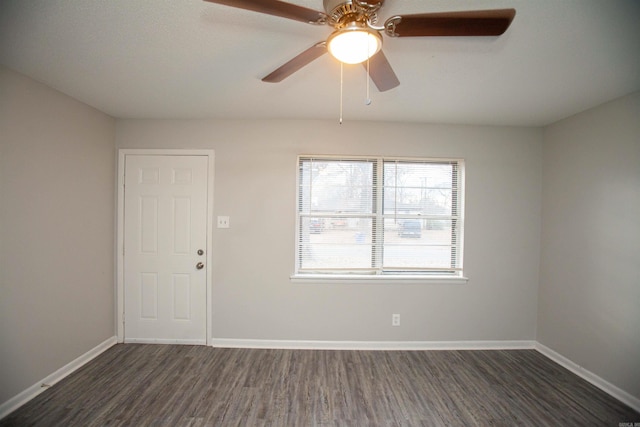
(223, 222)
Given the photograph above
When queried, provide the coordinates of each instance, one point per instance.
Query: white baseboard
(373, 345)
(589, 376)
(20, 399)
(163, 341)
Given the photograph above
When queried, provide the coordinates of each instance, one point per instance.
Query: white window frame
(456, 277)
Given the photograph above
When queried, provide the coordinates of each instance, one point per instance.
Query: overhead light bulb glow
(353, 45)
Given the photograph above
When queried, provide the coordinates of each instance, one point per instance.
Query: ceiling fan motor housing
(341, 12)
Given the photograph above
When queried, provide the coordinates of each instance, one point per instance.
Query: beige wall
(255, 180)
(56, 231)
(589, 306)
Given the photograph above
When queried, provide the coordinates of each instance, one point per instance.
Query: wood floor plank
(170, 385)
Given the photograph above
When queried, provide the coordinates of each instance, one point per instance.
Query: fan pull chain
(341, 86)
(367, 101)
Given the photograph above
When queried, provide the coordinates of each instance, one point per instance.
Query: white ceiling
(194, 59)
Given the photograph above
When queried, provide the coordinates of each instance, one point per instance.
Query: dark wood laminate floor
(169, 385)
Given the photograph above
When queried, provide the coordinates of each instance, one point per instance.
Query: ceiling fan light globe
(353, 46)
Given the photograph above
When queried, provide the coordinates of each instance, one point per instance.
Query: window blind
(379, 216)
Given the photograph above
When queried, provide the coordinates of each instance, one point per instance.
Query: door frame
(119, 292)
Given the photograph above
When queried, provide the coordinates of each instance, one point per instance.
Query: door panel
(165, 224)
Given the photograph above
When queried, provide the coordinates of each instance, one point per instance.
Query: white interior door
(165, 236)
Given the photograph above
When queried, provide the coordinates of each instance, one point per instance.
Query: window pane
(418, 188)
(410, 258)
(417, 243)
(344, 186)
(335, 243)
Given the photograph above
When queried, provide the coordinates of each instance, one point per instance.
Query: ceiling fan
(356, 22)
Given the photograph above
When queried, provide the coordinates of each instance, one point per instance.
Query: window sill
(383, 280)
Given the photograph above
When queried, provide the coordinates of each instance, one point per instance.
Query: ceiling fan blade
(309, 55)
(451, 24)
(381, 72)
(277, 8)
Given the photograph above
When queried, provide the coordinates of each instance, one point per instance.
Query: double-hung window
(379, 216)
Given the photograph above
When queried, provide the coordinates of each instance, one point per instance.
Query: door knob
(199, 266)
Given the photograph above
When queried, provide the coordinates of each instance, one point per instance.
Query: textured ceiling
(193, 59)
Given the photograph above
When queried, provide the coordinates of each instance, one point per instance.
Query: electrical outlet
(395, 320)
(223, 222)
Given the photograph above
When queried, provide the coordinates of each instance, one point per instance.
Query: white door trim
(122, 153)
